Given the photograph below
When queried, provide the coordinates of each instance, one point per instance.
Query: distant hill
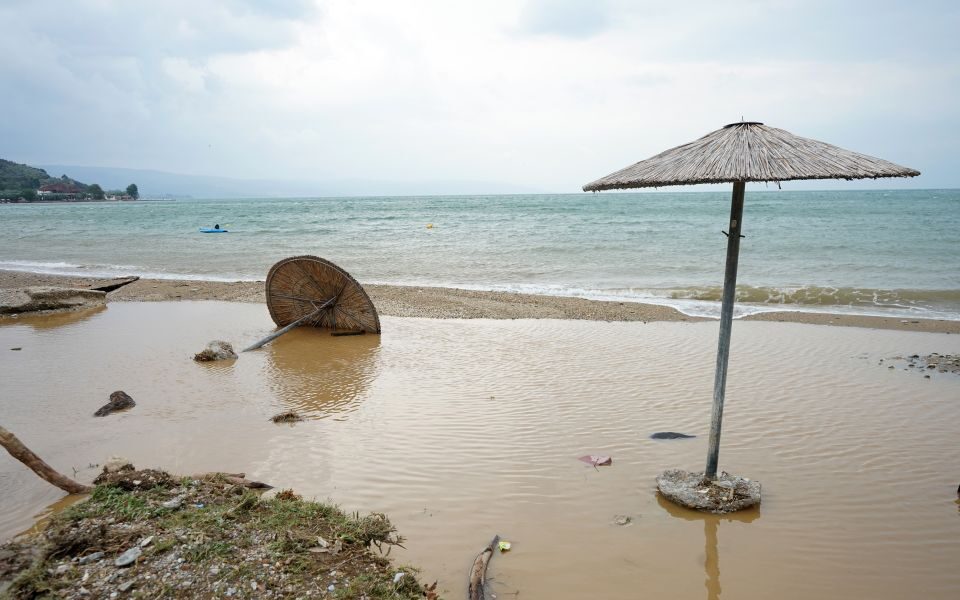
(154, 184)
(15, 176)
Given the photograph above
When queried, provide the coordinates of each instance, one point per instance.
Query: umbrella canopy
(738, 153)
(749, 152)
(318, 290)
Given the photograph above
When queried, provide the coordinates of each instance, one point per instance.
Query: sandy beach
(451, 303)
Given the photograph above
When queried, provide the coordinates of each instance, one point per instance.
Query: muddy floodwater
(460, 430)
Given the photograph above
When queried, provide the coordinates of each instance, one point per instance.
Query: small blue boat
(211, 230)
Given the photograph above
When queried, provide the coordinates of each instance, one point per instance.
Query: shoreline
(453, 303)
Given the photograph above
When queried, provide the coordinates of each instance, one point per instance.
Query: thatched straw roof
(749, 152)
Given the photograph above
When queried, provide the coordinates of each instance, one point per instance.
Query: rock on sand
(119, 400)
(216, 350)
(34, 299)
(727, 493)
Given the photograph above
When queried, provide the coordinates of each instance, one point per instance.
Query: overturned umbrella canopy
(738, 153)
(308, 290)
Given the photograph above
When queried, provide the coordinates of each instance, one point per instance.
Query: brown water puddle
(462, 429)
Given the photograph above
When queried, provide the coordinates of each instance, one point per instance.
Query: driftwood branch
(117, 285)
(20, 452)
(478, 574)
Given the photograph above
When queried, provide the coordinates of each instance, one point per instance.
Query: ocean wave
(823, 296)
(696, 301)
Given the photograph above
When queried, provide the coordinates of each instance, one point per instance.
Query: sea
(893, 253)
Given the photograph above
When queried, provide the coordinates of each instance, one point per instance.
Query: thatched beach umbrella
(738, 153)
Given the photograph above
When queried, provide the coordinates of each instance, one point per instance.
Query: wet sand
(460, 429)
(450, 303)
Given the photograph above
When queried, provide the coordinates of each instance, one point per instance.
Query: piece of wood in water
(36, 464)
(478, 573)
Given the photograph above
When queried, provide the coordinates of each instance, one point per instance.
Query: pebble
(126, 585)
(129, 557)
(231, 591)
(62, 569)
(214, 570)
(90, 558)
(173, 504)
(622, 520)
(146, 541)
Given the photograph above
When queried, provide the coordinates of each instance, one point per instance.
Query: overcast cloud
(543, 94)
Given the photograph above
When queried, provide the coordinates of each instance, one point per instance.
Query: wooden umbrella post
(293, 325)
(726, 324)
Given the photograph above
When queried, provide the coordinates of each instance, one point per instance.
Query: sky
(540, 95)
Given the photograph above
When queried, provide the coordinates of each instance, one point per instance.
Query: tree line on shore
(23, 183)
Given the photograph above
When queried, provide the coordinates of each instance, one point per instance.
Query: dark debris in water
(925, 364)
(670, 435)
(286, 417)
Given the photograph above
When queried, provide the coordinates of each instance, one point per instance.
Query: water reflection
(43, 517)
(52, 320)
(711, 525)
(319, 375)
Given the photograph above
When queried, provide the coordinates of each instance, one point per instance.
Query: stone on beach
(216, 350)
(119, 400)
(36, 299)
(129, 557)
(727, 493)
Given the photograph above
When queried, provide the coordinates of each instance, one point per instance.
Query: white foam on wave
(70, 269)
(690, 307)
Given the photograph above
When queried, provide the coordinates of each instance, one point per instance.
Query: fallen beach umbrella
(738, 153)
(311, 291)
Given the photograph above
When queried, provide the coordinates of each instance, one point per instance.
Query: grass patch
(210, 538)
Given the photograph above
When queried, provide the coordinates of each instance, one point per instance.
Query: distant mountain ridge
(16, 177)
(155, 184)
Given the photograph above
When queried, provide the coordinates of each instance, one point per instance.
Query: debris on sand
(727, 493)
(216, 350)
(223, 540)
(286, 417)
(119, 400)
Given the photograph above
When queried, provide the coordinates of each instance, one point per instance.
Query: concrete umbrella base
(727, 493)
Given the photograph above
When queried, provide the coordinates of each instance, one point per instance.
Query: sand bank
(451, 303)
